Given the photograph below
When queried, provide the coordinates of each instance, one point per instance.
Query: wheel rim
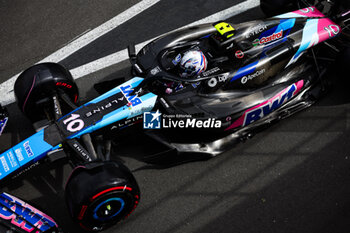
(108, 209)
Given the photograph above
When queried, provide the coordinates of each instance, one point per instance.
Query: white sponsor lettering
(246, 78)
(4, 164)
(256, 30)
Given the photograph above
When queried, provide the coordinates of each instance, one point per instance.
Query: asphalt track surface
(293, 177)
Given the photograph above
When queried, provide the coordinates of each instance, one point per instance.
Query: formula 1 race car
(257, 73)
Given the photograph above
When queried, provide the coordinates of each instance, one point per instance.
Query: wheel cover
(108, 209)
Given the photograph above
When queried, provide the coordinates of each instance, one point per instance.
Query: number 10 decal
(332, 30)
(73, 123)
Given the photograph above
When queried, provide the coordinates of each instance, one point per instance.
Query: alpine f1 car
(256, 73)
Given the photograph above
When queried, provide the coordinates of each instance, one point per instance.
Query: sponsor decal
(132, 99)
(245, 70)
(264, 40)
(259, 111)
(19, 154)
(155, 120)
(81, 151)
(26, 169)
(127, 122)
(61, 84)
(256, 30)
(28, 149)
(56, 106)
(246, 78)
(212, 82)
(151, 120)
(223, 77)
(4, 164)
(29, 216)
(239, 54)
(211, 71)
(220, 78)
(270, 106)
(138, 111)
(12, 159)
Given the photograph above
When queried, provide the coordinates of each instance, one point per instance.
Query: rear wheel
(36, 86)
(99, 195)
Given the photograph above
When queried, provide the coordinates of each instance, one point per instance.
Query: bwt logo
(30, 220)
(28, 149)
(133, 99)
(152, 120)
(269, 106)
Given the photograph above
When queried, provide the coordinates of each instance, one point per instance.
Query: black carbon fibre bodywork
(253, 71)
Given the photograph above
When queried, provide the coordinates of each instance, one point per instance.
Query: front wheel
(100, 194)
(35, 87)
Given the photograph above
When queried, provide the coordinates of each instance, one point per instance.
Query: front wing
(115, 105)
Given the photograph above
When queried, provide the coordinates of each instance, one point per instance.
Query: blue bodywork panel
(113, 106)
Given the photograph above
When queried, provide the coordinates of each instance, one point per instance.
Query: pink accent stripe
(299, 85)
(30, 91)
(309, 12)
(111, 189)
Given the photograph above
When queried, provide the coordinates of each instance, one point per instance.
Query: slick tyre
(35, 87)
(275, 7)
(99, 195)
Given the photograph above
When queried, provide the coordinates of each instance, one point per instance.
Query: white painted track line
(6, 88)
(101, 30)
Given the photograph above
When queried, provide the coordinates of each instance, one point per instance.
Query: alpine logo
(264, 40)
(109, 105)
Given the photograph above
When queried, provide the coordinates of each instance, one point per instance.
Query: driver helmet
(193, 63)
